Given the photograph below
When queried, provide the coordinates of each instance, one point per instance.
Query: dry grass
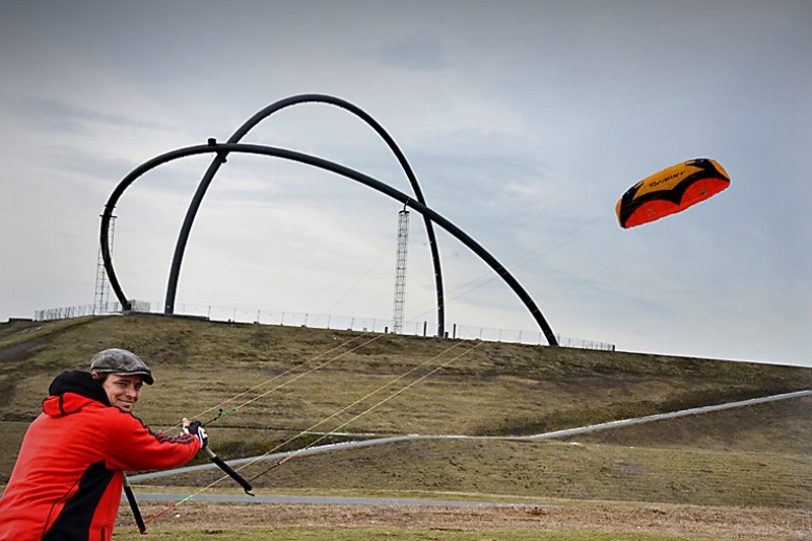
(754, 456)
(567, 521)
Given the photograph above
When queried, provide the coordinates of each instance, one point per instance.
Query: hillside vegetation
(289, 380)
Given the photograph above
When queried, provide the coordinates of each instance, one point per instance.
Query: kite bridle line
(335, 429)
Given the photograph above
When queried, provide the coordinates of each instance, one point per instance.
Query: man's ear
(95, 375)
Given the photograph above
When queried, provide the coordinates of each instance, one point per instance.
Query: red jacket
(69, 474)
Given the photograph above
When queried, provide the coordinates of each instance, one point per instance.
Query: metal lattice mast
(400, 270)
(101, 299)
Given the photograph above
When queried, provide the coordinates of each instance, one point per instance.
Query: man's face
(123, 391)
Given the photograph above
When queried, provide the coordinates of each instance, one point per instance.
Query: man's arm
(132, 446)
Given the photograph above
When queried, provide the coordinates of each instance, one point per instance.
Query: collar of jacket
(71, 391)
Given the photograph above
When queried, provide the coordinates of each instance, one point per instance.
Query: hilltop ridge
(311, 375)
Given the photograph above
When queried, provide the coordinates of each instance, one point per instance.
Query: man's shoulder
(115, 416)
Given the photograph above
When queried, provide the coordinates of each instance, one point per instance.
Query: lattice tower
(101, 299)
(400, 270)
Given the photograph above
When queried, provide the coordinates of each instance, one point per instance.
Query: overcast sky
(524, 122)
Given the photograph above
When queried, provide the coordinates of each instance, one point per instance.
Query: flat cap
(121, 362)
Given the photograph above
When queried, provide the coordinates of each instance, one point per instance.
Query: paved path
(320, 500)
(542, 436)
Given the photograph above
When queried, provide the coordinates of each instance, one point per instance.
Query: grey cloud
(59, 115)
(417, 53)
(65, 159)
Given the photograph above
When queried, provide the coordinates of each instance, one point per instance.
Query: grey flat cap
(121, 362)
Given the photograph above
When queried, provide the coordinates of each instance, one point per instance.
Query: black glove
(196, 429)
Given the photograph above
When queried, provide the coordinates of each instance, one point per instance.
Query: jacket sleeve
(134, 447)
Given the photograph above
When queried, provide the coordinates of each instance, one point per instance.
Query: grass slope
(759, 455)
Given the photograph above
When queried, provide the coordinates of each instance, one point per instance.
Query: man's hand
(196, 429)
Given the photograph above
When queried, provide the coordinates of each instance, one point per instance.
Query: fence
(324, 321)
(67, 312)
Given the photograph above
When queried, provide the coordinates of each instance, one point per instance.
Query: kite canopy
(671, 190)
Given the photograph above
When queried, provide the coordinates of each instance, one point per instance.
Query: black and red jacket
(69, 474)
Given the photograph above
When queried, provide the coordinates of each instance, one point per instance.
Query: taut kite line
(406, 200)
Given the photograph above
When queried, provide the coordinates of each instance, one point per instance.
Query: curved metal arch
(194, 205)
(320, 163)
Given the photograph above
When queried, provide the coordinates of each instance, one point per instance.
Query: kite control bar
(229, 470)
(220, 463)
(246, 486)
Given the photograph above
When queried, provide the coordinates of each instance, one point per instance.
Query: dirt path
(760, 523)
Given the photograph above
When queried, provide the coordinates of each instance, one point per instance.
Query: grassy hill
(758, 455)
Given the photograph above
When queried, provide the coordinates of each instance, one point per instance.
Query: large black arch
(406, 200)
(220, 158)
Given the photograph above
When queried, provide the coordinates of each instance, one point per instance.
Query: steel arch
(219, 159)
(320, 163)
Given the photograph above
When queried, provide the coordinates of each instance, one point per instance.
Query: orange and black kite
(671, 190)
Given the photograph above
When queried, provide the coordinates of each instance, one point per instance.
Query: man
(69, 474)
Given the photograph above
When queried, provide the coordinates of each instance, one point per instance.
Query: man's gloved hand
(196, 429)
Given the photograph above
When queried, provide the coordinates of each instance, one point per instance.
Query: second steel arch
(368, 181)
